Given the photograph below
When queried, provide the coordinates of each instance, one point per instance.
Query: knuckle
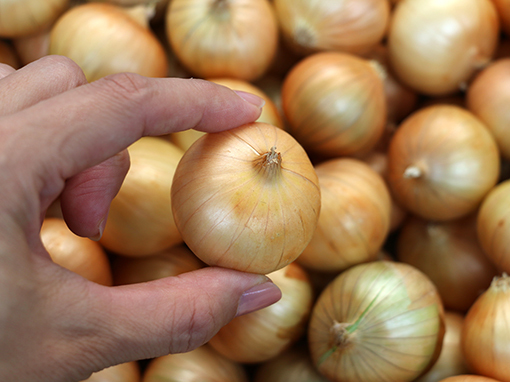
(125, 85)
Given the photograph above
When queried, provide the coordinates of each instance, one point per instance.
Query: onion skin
(247, 198)
(377, 319)
(223, 38)
(436, 46)
(493, 227)
(441, 173)
(486, 332)
(488, 96)
(355, 216)
(450, 255)
(335, 104)
(503, 8)
(264, 334)
(124, 372)
(468, 378)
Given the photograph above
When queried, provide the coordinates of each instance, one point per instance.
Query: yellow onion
(203, 364)
(450, 255)
(8, 55)
(293, 365)
(451, 361)
(104, 39)
(382, 320)
(442, 161)
(78, 254)
(246, 198)
(32, 47)
(24, 17)
(270, 114)
(124, 372)
(264, 334)
(485, 335)
(435, 46)
(140, 221)
(493, 225)
(503, 9)
(354, 219)
(223, 38)
(468, 378)
(352, 26)
(335, 104)
(488, 97)
(170, 262)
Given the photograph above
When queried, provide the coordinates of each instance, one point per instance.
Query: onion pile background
(402, 107)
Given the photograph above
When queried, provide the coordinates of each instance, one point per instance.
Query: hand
(60, 135)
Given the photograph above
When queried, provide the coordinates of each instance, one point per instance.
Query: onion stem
(412, 172)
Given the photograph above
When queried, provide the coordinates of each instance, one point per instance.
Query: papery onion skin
(223, 38)
(488, 96)
(104, 39)
(493, 225)
(335, 104)
(352, 26)
(377, 321)
(468, 378)
(264, 334)
(486, 332)
(442, 161)
(436, 46)
(355, 216)
(124, 372)
(450, 255)
(247, 198)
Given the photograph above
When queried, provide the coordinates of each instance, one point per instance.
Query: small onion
(223, 38)
(264, 334)
(493, 226)
(354, 219)
(488, 97)
(104, 39)
(377, 321)
(25, 17)
(140, 221)
(450, 255)
(468, 378)
(246, 198)
(352, 26)
(486, 332)
(503, 8)
(202, 364)
(78, 254)
(124, 372)
(442, 161)
(451, 361)
(169, 262)
(435, 46)
(335, 104)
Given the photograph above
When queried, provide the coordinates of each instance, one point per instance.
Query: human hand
(62, 136)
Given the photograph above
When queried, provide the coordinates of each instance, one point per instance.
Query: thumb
(170, 315)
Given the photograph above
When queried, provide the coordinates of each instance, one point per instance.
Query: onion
(293, 365)
(442, 161)
(264, 334)
(8, 55)
(104, 39)
(169, 262)
(25, 17)
(335, 104)
(124, 372)
(202, 364)
(503, 9)
(492, 226)
(488, 97)
(223, 38)
(435, 46)
(246, 198)
(31, 48)
(78, 254)
(451, 361)
(450, 255)
(352, 26)
(468, 378)
(486, 332)
(377, 321)
(140, 221)
(354, 218)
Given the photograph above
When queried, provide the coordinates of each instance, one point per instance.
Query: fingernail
(258, 297)
(251, 98)
(100, 230)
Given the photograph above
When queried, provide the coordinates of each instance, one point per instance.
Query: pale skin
(62, 136)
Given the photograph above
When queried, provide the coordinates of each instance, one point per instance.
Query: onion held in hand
(246, 198)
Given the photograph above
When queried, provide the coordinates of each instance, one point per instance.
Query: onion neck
(413, 172)
(501, 283)
(221, 9)
(270, 162)
(142, 13)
